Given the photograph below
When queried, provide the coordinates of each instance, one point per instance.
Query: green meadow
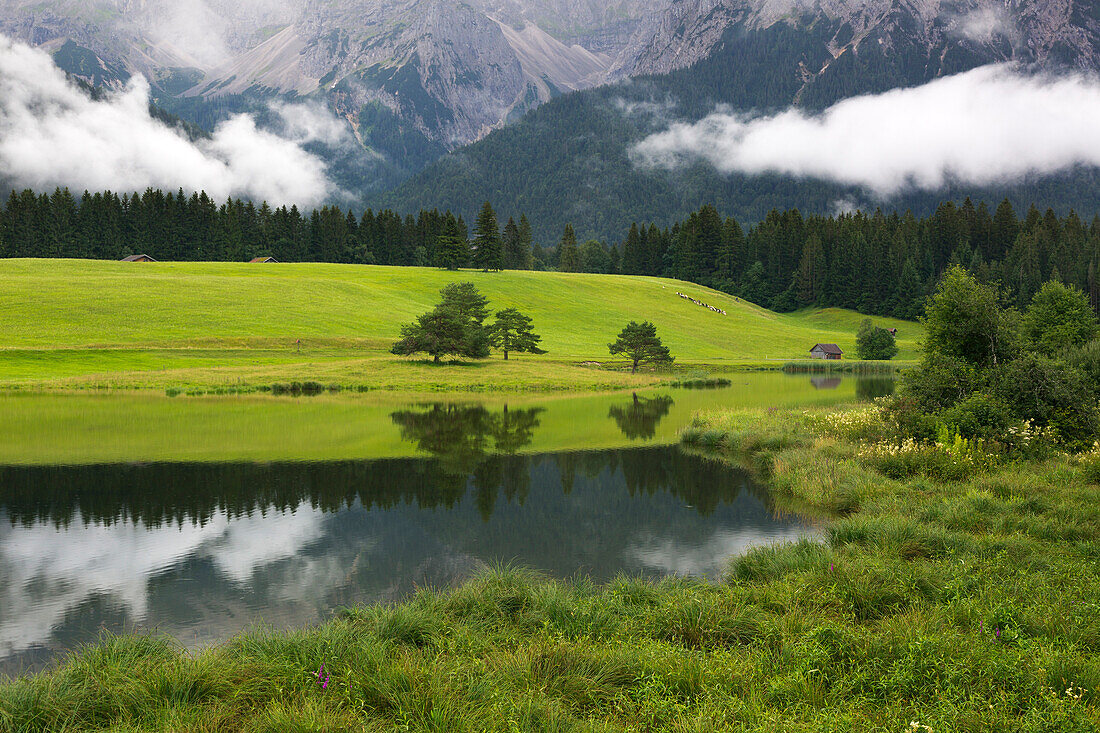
(87, 324)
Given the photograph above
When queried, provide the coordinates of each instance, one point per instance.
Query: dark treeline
(877, 263)
(178, 226)
(882, 264)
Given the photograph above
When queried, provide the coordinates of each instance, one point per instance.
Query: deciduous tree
(873, 342)
(1059, 316)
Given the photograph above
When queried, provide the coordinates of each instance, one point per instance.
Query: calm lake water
(203, 539)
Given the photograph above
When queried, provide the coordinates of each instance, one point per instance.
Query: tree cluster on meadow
(880, 264)
(456, 327)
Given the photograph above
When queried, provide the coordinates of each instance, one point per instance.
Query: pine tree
(569, 259)
(512, 332)
(639, 342)
(488, 247)
(454, 326)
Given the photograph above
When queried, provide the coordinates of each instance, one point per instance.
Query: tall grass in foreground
(942, 605)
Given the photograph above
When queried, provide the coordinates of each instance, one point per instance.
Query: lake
(201, 517)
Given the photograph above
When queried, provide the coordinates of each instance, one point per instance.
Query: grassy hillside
(66, 319)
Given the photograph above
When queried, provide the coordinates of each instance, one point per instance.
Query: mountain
(570, 160)
(537, 104)
(413, 78)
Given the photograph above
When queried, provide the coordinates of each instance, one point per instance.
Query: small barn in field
(825, 351)
(138, 258)
(263, 259)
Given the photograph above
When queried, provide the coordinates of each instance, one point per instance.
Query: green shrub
(910, 418)
(1086, 359)
(939, 382)
(875, 343)
(1050, 394)
(979, 416)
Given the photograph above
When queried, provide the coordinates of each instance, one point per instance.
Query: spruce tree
(632, 252)
(488, 247)
(733, 241)
(908, 299)
(526, 241)
(451, 250)
(569, 258)
(809, 279)
(513, 256)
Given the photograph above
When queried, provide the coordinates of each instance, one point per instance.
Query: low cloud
(53, 134)
(308, 123)
(989, 125)
(985, 25)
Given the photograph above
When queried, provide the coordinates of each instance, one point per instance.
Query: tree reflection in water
(159, 494)
(459, 435)
(639, 419)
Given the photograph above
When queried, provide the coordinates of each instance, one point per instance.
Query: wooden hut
(825, 351)
(263, 259)
(138, 258)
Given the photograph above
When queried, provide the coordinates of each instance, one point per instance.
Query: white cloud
(306, 123)
(46, 572)
(988, 125)
(52, 134)
(707, 555)
(985, 25)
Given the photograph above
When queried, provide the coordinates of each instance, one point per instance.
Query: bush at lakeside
(986, 370)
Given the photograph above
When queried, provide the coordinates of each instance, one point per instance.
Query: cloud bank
(988, 125)
(53, 134)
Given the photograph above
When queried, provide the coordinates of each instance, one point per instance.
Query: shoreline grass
(933, 605)
(826, 366)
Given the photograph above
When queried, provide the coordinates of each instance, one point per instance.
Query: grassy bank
(934, 605)
(74, 323)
